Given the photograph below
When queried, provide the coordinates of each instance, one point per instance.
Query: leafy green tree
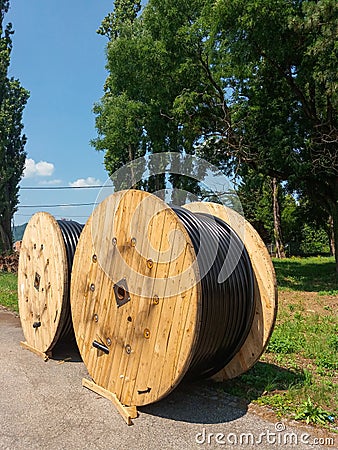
(305, 228)
(124, 14)
(13, 99)
(314, 241)
(134, 115)
(282, 57)
(267, 96)
(242, 83)
(255, 194)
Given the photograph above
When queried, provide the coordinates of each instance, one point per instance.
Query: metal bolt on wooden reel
(161, 293)
(45, 263)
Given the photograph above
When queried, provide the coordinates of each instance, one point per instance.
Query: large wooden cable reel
(265, 289)
(46, 255)
(137, 302)
(131, 257)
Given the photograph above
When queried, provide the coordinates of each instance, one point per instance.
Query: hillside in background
(18, 232)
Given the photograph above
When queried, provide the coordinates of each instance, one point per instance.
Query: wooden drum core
(135, 297)
(43, 282)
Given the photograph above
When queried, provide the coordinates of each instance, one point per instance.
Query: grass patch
(298, 374)
(316, 274)
(8, 291)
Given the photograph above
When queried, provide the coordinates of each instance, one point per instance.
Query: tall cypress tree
(13, 98)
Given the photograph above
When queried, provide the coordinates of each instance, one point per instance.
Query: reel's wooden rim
(265, 289)
(150, 335)
(42, 282)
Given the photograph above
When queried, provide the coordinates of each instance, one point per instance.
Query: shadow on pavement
(200, 403)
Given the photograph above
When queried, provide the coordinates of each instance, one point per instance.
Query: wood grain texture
(127, 412)
(42, 282)
(134, 239)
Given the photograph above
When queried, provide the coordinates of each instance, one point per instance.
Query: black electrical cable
(71, 231)
(228, 302)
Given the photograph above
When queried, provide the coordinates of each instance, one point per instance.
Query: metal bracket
(121, 292)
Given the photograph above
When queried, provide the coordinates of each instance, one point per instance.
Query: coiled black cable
(71, 231)
(228, 302)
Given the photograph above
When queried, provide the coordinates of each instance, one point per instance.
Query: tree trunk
(331, 237)
(334, 215)
(5, 233)
(280, 253)
(131, 159)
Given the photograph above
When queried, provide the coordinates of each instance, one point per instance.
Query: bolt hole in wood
(146, 333)
(128, 349)
(121, 292)
(37, 279)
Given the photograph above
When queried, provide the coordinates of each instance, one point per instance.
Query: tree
(254, 191)
(275, 63)
(13, 99)
(133, 117)
(124, 14)
(267, 96)
(242, 83)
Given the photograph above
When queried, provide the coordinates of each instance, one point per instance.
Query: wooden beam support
(127, 412)
(44, 356)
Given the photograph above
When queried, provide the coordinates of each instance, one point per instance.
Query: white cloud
(84, 182)
(40, 169)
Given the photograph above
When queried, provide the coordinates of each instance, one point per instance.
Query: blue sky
(60, 59)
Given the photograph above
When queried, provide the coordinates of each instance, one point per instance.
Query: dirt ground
(43, 405)
(309, 302)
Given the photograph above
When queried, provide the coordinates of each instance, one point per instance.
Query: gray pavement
(44, 406)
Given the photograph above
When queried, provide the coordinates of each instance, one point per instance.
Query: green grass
(315, 274)
(298, 374)
(8, 291)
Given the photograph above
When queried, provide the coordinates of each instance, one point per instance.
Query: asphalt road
(44, 406)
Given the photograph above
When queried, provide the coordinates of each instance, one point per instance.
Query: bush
(314, 241)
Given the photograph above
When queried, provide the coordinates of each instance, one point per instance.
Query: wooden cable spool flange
(136, 298)
(46, 256)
